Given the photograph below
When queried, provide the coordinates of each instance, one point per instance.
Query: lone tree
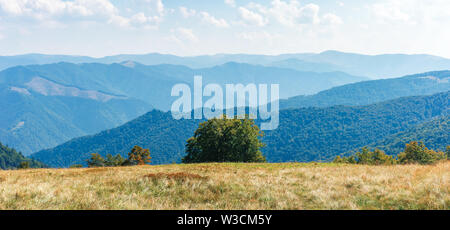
(96, 160)
(225, 140)
(139, 156)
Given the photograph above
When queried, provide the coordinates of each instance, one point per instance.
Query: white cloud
(222, 23)
(184, 34)
(331, 19)
(411, 11)
(290, 13)
(231, 3)
(96, 10)
(390, 11)
(186, 13)
(251, 17)
(42, 9)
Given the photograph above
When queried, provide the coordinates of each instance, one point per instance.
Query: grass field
(229, 186)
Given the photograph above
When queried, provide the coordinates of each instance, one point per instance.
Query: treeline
(137, 156)
(11, 159)
(414, 153)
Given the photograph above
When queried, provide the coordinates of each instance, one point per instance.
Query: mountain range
(50, 104)
(368, 92)
(373, 66)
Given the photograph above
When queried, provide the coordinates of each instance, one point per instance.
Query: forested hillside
(435, 134)
(368, 92)
(31, 121)
(11, 159)
(307, 134)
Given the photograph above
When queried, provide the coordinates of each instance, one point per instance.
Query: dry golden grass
(229, 186)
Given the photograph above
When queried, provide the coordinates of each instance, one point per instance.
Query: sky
(195, 27)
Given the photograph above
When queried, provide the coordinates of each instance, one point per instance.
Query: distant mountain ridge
(373, 66)
(41, 113)
(153, 84)
(306, 134)
(368, 92)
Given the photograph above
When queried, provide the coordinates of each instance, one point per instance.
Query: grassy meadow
(229, 186)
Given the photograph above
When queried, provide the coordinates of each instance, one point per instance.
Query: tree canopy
(225, 140)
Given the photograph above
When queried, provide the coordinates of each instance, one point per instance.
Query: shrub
(76, 166)
(24, 165)
(416, 153)
(376, 157)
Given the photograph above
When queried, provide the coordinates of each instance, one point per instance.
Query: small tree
(416, 153)
(139, 156)
(76, 166)
(225, 140)
(113, 161)
(24, 165)
(376, 157)
(96, 160)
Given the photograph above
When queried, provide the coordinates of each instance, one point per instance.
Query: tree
(416, 153)
(96, 160)
(24, 165)
(225, 140)
(376, 157)
(113, 161)
(139, 156)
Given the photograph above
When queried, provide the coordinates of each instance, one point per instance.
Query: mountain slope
(435, 134)
(367, 92)
(43, 114)
(11, 159)
(153, 84)
(307, 134)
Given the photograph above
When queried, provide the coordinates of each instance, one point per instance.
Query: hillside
(435, 134)
(11, 159)
(44, 114)
(368, 92)
(153, 84)
(230, 186)
(307, 134)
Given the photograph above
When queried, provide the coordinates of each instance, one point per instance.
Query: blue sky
(181, 27)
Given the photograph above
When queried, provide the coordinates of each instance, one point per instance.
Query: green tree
(24, 165)
(113, 161)
(138, 156)
(416, 153)
(96, 160)
(376, 157)
(225, 140)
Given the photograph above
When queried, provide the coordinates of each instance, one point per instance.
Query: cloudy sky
(194, 27)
